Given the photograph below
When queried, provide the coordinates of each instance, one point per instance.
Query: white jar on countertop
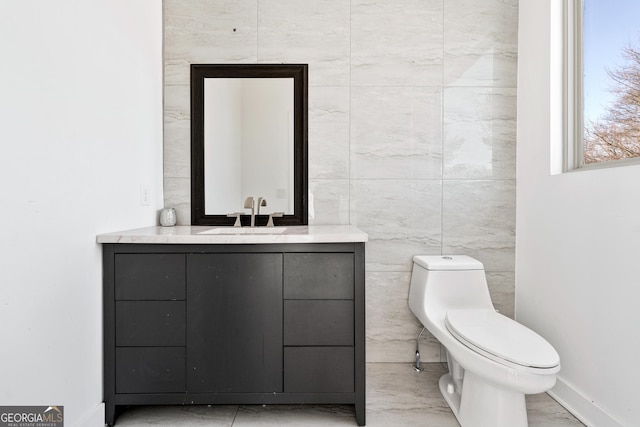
(168, 217)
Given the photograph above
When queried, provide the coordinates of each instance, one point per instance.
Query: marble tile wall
(412, 122)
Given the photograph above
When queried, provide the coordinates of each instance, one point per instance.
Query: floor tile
(175, 416)
(295, 415)
(397, 396)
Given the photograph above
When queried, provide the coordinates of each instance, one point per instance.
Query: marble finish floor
(396, 396)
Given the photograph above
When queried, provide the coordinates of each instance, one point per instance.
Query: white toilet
(493, 360)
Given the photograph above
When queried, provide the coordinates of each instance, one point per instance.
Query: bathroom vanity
(200, 316)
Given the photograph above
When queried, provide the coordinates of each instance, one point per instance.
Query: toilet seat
(501, 339)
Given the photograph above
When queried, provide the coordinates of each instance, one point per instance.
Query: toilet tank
(441, 283)
(448, 262)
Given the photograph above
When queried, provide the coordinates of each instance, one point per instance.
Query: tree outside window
(611, 80)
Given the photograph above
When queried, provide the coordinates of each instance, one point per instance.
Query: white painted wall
(223, 142)
(80, 130)
(267, 142)
(577, 249)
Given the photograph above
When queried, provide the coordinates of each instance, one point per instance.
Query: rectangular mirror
(248, 138)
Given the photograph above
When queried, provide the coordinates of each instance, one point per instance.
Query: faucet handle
(237, 216)
(274, 215)
(248, 203)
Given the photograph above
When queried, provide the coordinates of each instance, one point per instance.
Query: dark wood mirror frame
(299, 72)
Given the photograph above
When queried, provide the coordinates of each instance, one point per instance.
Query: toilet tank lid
(448, 262)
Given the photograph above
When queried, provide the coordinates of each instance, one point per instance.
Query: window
(602, 96)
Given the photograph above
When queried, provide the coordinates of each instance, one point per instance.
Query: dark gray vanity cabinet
(318, 319)
(234, 343)
(234, 324)
(147, 325)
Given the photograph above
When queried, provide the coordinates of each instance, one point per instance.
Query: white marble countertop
(187, 234)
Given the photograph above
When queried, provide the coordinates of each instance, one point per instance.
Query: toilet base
(481, 404)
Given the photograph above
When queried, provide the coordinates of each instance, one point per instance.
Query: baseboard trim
(580, 406)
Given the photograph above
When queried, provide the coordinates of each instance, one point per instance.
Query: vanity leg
(360, 341)
(360, 412)
(109, 414)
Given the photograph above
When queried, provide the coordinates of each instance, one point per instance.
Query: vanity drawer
(150, 370)
(150, 323)
(318, 370)
(318, 275)
(318, 322)
(150, 276)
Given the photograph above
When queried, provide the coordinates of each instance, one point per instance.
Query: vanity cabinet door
(150, 370)
(150, 323)
(234, 318)
(318, 322)
(149, 276)
(319, 369)
(318, 275)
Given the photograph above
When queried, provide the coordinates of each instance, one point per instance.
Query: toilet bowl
(493, 360)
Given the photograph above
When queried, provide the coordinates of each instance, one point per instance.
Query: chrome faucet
(249, 204)
(261, 202)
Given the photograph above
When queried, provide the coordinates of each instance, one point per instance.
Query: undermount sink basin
(245, 230)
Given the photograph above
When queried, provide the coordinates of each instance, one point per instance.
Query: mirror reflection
(249, 139)
(248, 143)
